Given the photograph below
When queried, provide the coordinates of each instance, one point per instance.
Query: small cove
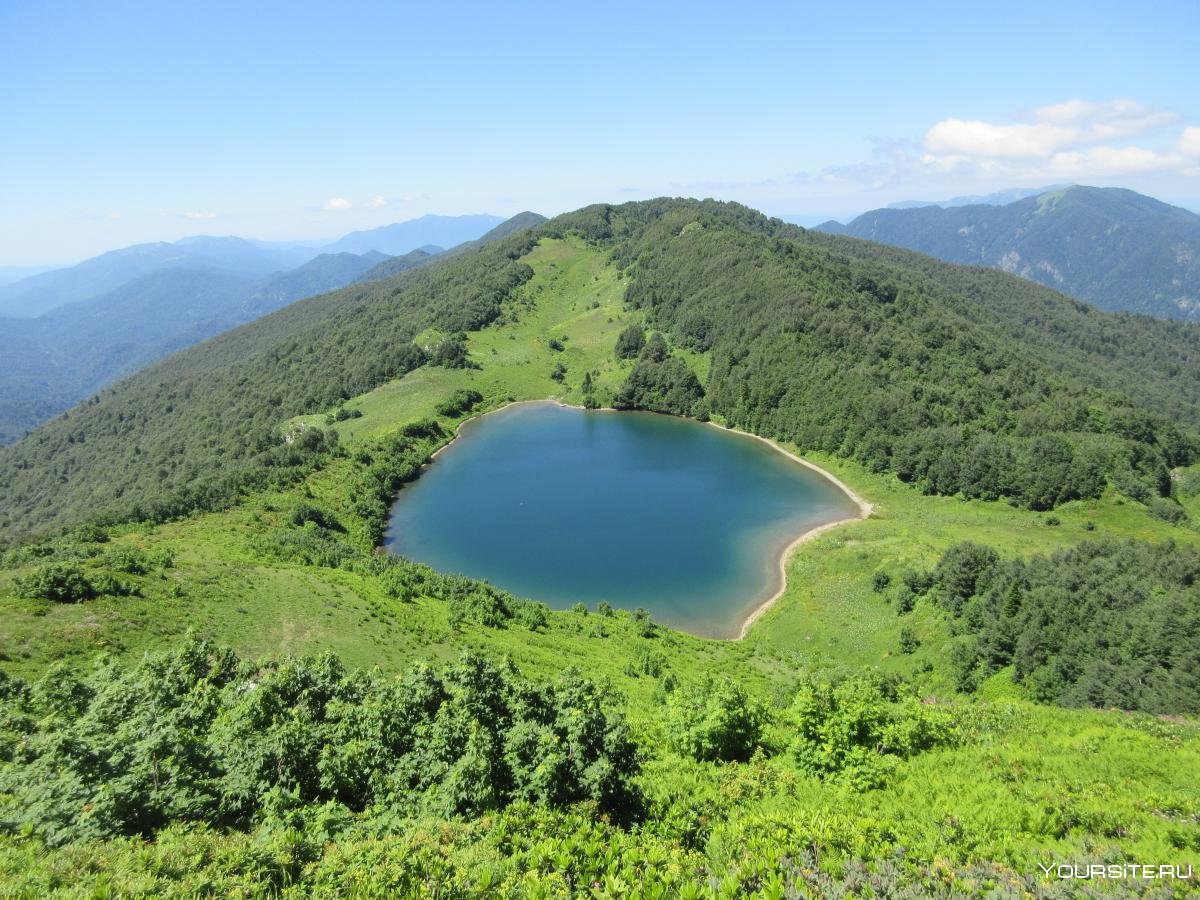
(642, 510)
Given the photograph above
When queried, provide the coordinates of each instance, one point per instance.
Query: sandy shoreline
(864, 508)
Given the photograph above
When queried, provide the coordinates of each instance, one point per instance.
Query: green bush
(856, 729)
(461, 401)
(57, 582)
(196, 735)
(1167, 510)
(129, 560)
(713, 721)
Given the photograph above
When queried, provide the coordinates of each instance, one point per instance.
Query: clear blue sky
(123, 122)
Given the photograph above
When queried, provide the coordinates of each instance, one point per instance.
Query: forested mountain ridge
(1115, 248)
(935, 372)
(194, 429)
(70, 352)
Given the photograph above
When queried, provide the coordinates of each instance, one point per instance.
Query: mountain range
(833, 344)
(1111, 247)
(109, 316)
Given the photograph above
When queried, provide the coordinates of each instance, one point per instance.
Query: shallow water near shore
(642, 510)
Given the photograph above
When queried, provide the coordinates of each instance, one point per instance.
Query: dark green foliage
(909, 642)
(588, 390)
(963, 571)
(475, 601)
(343, 415)
(559, 373)
(880, 581)
(630, 342)
(195, 735)
(57, 582)
(1167, 510)
(198, 429)
(309, 545)
(854, 730)
(461, 401)
(306, 512)
(556, 345)
(715, 721)
(385, 466)
(451, 353)
(1103, 624)
(664, 385)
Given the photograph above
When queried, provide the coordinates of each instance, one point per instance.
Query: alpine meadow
(655, 547)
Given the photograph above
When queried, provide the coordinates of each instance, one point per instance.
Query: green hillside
(1115, 248)
(869, 734)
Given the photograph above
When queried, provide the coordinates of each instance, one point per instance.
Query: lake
(564, 505)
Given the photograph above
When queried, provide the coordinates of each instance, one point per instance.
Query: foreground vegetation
(845, 745)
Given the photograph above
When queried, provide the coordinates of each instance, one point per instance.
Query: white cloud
(1189, 142)
(334, 203)
(377, 201)
(1051, 129)
(199, 215)
(959, 137)
(1075, 139)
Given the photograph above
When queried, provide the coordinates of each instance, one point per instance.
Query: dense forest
(958, 380)
(1106, 623)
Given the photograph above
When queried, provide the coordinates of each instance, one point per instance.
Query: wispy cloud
(335, 203)
(376, 202)
(199, 215)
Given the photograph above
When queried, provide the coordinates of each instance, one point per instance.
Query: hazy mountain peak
(1113, 247)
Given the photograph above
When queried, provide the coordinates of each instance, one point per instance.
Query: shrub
(1167, 510)
(880, 581)
(56, 582)
(854, 730)
(715, 722)
(129, 560)
(461, 401)
(452, 353)
(196, 735)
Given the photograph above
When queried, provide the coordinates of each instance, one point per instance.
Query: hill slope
(69, 353)
(923, 369)
(1108, 246)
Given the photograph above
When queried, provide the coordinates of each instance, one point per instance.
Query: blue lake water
(564, 505)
